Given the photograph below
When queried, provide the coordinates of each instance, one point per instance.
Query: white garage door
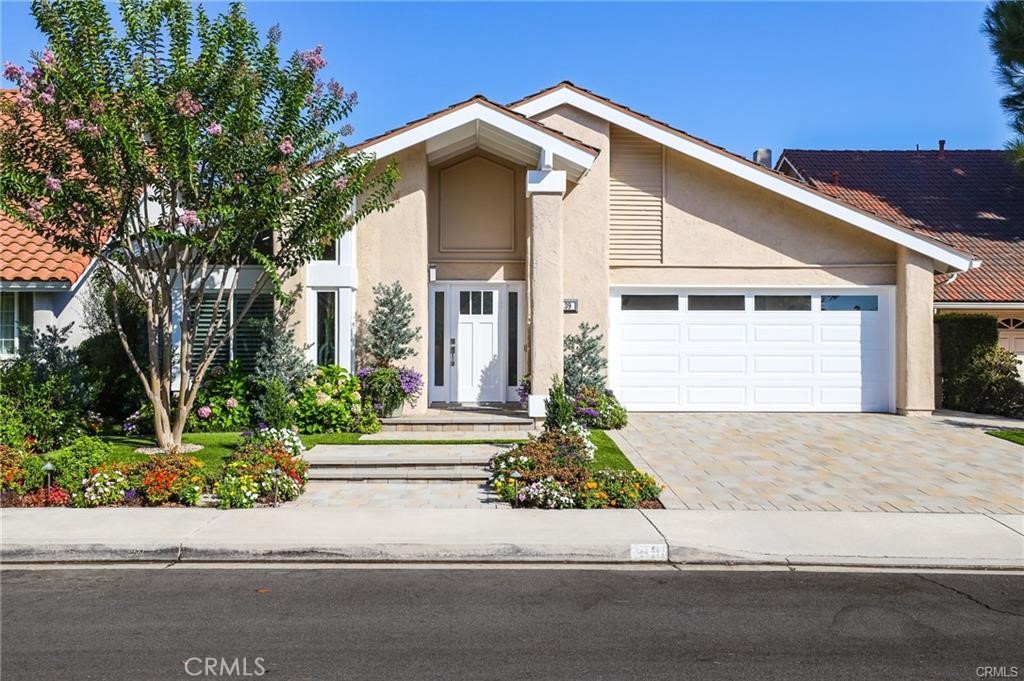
(753, 350)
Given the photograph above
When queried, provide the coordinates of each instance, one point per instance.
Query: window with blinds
(247, 336)
(636, 189)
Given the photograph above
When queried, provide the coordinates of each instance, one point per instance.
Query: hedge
(960, 336)
(977, 375)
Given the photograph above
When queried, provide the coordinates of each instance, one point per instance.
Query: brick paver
(827, 462)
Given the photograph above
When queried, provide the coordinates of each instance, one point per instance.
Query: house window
(1011, 323)
(326, 328)
(15, 323)
(650, 302)
(782, 303)
(330, 253)
(476, 302)
(715, 303)
(248, 335)
(849, 303)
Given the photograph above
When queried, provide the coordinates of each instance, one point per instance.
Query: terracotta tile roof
(971, 199)
(26, 256)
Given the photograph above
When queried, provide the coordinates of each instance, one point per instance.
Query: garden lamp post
(48, 468)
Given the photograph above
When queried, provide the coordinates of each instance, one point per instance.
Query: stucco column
(545, 289)
(915, 346)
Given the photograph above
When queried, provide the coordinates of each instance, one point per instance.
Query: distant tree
(1004, 26)
(175, 149)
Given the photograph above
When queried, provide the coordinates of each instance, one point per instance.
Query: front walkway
(384, 495)
(828, 462)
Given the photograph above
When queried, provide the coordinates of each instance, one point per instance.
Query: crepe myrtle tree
(169, 150)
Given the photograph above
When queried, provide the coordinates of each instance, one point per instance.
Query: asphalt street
(427, 624)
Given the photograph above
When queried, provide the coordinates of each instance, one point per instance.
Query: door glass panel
(782, 303)
(650, 302)
(439, 337)
(464, 302)
(849, 303)
(714, 303)
(475, 297)
(326, 328)
(513, 338)
(488, 302)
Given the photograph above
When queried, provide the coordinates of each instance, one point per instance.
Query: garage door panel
(754, 360)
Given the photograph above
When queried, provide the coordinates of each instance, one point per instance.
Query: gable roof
(478, 121)
(27, 257)
(972, 199)
(946, 256)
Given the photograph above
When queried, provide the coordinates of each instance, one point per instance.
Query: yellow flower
(591, 485)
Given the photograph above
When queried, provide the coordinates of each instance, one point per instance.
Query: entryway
(477, 339)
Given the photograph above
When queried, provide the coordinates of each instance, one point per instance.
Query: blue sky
(812, 75)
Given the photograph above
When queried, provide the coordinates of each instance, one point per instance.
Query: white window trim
(17, 336)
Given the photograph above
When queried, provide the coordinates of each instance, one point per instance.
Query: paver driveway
(830, 462)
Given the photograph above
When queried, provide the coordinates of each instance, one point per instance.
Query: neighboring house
(721, 284)
(971, 199)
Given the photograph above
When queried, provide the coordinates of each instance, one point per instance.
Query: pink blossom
(92, 130)
(204, 412)
(52, 183)
(189, 219)
(313, 59)
(73, 124)
(48, 58)
(274, 34)
(341, 183)
(35, 212)
(46, 98)
(231, 403)
(28, 86)
(22, 101)
(286, 146)
(186, 104)
(96, 106)
(336, 90)
(13, 71)
(214, 129)
(352, 99)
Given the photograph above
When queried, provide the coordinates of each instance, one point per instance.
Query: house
(971, 199)
(720, 283)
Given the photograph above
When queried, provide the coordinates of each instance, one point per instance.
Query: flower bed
(267, 468)
(555, 470)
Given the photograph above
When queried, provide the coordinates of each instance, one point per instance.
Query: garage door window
(651, 302)
(782, 303)
(712, 303)
(849, 303)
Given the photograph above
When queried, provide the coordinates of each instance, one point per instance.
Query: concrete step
(459, 420)
(426, 436)
(392, 474)
(400, 455)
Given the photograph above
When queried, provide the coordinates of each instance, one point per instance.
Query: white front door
(476, 341)
(478, 375)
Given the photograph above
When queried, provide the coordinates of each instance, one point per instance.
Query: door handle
(451, 351)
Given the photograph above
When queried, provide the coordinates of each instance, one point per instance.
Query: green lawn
(1011, 435)
(608, 454)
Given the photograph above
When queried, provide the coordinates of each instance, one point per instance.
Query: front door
(478, 370)
(476, 332)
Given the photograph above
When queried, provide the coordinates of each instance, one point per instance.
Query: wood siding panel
(635, 193)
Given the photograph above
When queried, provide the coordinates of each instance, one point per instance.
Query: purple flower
(186, 104)
(52, 183)
(286, 146)
(313, 59)
(214, 129)
(46, 98)
(92, 130)
(48, 58)
(189, 219)
(73, 124)
(341, 183)
(260, 425)
(352, 99)
(13, 71)
(204, 412)
(347, 130)
(131, 494)
(35, 212)
(334, 87)
(274, 34)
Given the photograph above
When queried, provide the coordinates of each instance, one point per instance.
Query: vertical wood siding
(636, 187)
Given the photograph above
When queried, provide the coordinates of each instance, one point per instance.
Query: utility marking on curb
(648, 552)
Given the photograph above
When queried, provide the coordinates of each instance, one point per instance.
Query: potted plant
(389, 338)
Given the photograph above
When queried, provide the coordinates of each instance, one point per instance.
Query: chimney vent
(942, 148)
(835, 177)
(763, 157)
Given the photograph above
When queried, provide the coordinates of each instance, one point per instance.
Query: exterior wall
(60, 308)
(915, 334)
(585, 222)
(392, 246)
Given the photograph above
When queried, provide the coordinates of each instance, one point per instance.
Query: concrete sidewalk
(510, 536)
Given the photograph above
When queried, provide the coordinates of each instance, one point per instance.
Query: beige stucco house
(720, 284)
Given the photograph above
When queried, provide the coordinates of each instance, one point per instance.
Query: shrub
(222, 402)
(584, 363)
(599, 409)
(388, 388)
(20, 472)
(330, 402)
(236, 491)
(13, 432)
(283, 438)
(977, 375)
(76, 462)
(619, 489)
(389, 331)
(558, 410)
(55, 496)
(103, 488)
(274, 406)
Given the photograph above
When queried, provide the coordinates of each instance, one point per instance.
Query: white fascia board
(34, 285)
(948, 257)
(479, 112)
(1018, 305)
